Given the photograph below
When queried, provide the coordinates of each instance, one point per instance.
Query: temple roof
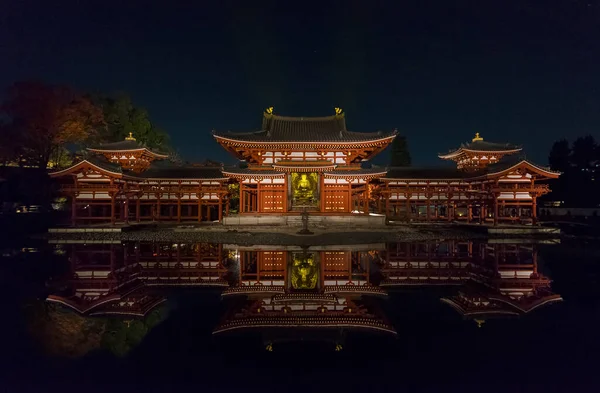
(102, 162)
(426, 173)
(168, 170)
(362, 171)
(249, 172)
(129, 144)
(98, 161)
(478, 144)
(304, 129)
(512, 161)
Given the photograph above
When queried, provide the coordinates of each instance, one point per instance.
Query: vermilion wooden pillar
(199, 207)
(220, 209)
(137, 210)
(74, 209)
(112, 208)
(158, 196)
(495, 210)
(126, 210)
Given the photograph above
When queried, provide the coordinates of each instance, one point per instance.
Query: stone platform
(351, 220)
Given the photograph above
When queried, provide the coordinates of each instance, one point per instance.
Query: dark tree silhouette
(399, 155)
(559, 158)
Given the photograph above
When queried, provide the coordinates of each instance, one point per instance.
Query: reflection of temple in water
(279, 290)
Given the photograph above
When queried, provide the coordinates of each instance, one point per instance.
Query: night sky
(524, 72)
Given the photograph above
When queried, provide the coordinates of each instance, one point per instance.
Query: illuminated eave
(304, 145)
(258, 176)
(349, 176)
(462, 150)
(304, 168)
(149, 152)
(80, 164)
(525, 163)
(174, 179)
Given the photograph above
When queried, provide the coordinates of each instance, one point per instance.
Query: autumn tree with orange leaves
(42, 119)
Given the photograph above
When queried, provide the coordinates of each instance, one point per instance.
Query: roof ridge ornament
(477, 138)
(130, 137)
(269, 111)
(339, 111)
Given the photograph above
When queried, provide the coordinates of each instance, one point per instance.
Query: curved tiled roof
(167, 170)
(304, 129)
(426, 173)
(483, 146)
(125, 145)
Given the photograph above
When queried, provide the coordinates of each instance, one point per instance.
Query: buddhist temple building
(303, 164)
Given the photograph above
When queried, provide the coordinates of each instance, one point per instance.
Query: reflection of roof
(335, 321)
(304, 129)
(168, 170)
(426, 173)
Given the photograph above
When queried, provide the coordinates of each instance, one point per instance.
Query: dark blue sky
(439, 71)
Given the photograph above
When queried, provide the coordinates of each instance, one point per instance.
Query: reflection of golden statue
(304, 272)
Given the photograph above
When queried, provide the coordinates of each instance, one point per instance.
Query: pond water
(444, 315)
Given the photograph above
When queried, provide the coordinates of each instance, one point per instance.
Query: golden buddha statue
(303, 189)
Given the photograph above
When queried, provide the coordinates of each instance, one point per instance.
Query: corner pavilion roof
(328, 129)
(479, 145)
(129, 144)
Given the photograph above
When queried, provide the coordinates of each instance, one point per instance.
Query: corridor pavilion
(297, 164)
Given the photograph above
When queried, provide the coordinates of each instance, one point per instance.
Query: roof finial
(477, 138)
(338, 111)
(130, 137)
(269, 110)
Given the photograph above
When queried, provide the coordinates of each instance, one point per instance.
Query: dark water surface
(433, 316)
